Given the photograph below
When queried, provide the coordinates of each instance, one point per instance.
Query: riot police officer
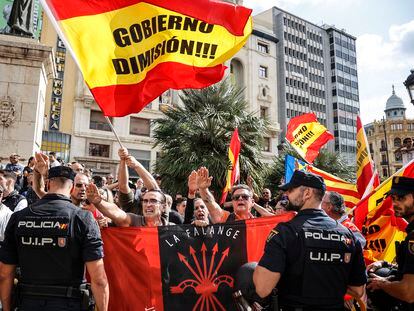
(312, 259)
(401, 284)
(51, 241)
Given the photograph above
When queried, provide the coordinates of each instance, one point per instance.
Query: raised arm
(123, 175)
(204, 182)
(39, 173)
(192, 189)
(146, 176)
(110, 210)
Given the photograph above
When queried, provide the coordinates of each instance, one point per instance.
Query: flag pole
(113, 131)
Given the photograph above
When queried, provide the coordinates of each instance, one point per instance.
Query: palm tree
(326, 161)
(198, 133)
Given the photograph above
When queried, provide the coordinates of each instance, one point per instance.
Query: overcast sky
(385, 42)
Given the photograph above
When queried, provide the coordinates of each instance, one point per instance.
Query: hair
(30, 159)
(62, 181)
(319, 193)
(337, 202)
(164, 199)
(98, 181)
(52, 153)
(241, 186)
(9, 175)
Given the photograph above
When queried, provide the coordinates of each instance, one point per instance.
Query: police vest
(49, 253)
(319, 272)
(12, 200)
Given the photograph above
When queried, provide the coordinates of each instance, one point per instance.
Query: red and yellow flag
(307, 135)
(130, 51)
(233, 174)
(376, 203)
(367, 176)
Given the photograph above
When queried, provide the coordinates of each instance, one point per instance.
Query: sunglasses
(245, 197)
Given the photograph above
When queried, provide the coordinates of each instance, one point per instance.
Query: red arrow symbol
(192, 252)
(224, 254)
(184, 260)
(203, 250)
(215, 250)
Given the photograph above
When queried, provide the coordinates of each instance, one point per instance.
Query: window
(263, 47)
(397, 142)
(97, 121)
(384, 172)
(263, 112)
(99, 150)
(143, 157)
(398, 157)
(262, 72)
(139, 126)
(266, 144)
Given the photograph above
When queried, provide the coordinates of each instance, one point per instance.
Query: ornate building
(390, 139)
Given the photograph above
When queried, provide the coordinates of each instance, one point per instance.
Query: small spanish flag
(131, 51)
(307, 136)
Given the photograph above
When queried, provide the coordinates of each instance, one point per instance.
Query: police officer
(400, 286)
(312, 259)
(51, 241)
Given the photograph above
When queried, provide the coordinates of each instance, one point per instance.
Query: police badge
(347, 257)
(7, 111)
(62, 242)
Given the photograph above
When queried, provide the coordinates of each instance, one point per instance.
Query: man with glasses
(401, 285)
(312, 259)
(242, 200)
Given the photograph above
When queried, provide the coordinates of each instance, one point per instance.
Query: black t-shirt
(405, 255)
(59, 239)
(317, 258)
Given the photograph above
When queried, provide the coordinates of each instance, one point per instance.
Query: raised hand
(41, 163)
(123, 153)
(192, 182)
(92, 194)
(203, 180)
(131, 161)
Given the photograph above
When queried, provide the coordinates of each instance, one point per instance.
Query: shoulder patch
(411, 246)
(272, 234)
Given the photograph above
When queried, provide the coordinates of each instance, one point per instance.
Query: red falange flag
(131, 51)
(367, 175)
(307, 135)
(233, 174)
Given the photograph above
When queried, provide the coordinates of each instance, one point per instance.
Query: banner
(333, 183)
(367, 175)
(233, 174)
(307, 136)
(131, 51)
(181, 267)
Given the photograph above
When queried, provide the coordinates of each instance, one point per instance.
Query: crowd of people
(320, 249)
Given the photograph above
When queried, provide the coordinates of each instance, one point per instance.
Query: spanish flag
(367, 175)
(233, 174)
(307, 136)
(131, 51)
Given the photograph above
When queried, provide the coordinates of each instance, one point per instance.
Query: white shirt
(5, 214)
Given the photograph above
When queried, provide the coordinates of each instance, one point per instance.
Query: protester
(77, 167)
(196, 211)
(241, 198)
(312, 259)
(399, 285)
(5, 214)
(333, 204)
(52, 261)
(17, 168)
(11, 198)
(52, 159)
(26, 171)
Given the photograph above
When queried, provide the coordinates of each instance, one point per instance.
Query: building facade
(390, 139)
(315, 64)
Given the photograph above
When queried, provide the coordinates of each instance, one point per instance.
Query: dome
(394, 102)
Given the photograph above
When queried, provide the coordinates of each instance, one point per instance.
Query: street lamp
(409, 84)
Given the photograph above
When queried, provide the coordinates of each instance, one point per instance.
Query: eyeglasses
(150, 201)
(245, 197)
(80, 185)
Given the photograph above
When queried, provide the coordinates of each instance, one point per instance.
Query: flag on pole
(307, 136)
(131, 51)
(333, 183)
(183, 267)
(233, 174)
(367, 175)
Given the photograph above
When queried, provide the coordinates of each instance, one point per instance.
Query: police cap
(62, 171)
(401, 185)
(306, 179)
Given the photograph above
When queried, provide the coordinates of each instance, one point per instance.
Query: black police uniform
(50, 241)
(317, 258)
(13, 199)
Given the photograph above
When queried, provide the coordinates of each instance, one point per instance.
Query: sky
(385, 43)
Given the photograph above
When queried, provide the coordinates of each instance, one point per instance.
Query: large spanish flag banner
(307, 135)
(333, 183)
(233, 174)
(130, 51)
(367, 175)
(181, 267)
